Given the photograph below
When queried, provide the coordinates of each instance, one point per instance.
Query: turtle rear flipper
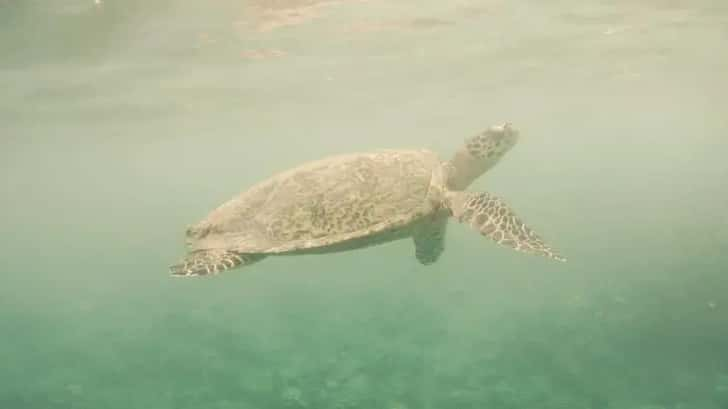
(212, 262)
(491, 216)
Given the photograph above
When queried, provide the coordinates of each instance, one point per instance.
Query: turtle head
(493, 142)
(480, 153)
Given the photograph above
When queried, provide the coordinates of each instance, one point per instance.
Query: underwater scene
(522, 132)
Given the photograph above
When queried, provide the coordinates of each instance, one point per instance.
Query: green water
(124, 121)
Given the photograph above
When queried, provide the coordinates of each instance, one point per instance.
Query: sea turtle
(358, 200)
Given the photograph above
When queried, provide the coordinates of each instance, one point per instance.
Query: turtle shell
(322, 203)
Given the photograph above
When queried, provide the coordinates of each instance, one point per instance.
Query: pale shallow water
(125, 121)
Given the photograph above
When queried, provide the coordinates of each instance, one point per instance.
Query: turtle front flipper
(490, 216)
(429, 239)
(212, 262)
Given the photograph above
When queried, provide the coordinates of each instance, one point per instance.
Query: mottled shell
(326, 202)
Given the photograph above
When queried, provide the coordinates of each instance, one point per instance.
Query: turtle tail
(212, 262)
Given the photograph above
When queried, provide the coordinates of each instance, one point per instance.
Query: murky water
(125, 121)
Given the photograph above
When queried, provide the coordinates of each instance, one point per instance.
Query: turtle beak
(509, 132)
(508, 128)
